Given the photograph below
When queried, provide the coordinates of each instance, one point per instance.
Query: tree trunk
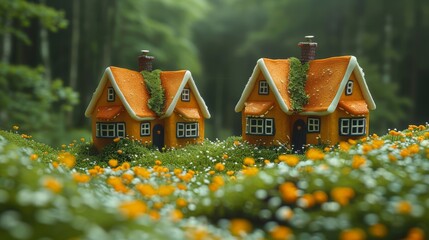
(44, 48)
(74, 51)
(7, 42)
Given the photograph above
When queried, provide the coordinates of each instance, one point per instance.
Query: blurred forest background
(53, 53)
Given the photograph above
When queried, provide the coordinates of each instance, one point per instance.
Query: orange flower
(248, 161)
(415, 234)
(342, 195)
(132, 209)
(392, 158)
(120, 151)
(81, 178)
(127, 178)
(288, 192)
(141, 172)
(320, 197)
(34, 157)
(251, 171)
(281, 233)
(158, 162)
(315, 154)
(358, 161)
(308, 200)
(67, 159)
(403, 207)
(225, 156)
(353, 234)
(240, 227)
(116, 140)
(378, 230)
(219, 167)
(165, 190)
(291, 160)
(113, 162)
(181, 202)
(344, 146)
(176, 215)
(52, 184)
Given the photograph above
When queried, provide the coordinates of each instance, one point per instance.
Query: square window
(269, 126)
(145, 129)
(313, 125)
(186, 95)
(263, 87)
(344, 126)
(110, 94)
(358, 126)
(180, 130)
(120, 130)
(191, 130)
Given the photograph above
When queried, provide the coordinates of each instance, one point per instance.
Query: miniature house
(119, 108)
(337, 108)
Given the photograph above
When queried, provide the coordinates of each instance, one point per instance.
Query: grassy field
(374, 188)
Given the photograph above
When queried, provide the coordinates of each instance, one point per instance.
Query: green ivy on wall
(296, 88)
(153, 85)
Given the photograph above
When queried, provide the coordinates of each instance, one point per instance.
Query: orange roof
(325, 83)
(131, 85)
(257, 108)
(130, 88)
(108, 112)
(189, 113)
(354, 107)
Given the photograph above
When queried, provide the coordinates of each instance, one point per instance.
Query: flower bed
(374, 188)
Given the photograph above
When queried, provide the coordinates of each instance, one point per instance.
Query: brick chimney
(308, 49)
(145, 61)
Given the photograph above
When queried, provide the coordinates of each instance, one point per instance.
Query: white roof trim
(260, 67)
(187, 78)
(108, 75)
(353, 66)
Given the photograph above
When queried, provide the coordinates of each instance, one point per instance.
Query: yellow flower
(176, 215)
(378, 230)
(225, 156)
(281, 233)
(82, 139)
(230, 173)
(113, 162)
(219, 167)
(34, 157)
(52, 184)
(403, 207)
(344, 146)
(120, 151)
(315, 154)
(116, 140)
(132, 209)
(158, 162)
(127, 178)
(250, 171)
(141, 172)
(125, 165)
(81, 178)
(145, 190)
(165, 190)
(392, 158)
(248, 161)
(240, 227)
(15, 127)
(342, 195)
(291, 160)
(353, 234)
(67, 159)
(358, 161)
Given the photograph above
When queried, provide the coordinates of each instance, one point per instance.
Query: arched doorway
(299, 135)
(158, 136)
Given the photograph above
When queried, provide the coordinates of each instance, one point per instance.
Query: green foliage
(29, 100)
(297, 80)
(22, 12)
(156, 91)
(125, 150)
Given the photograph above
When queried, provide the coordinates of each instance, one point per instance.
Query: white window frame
(349, 88)
(110, 130)
(120, 130)
(263, 87)
(260, 126)
(180, 130)
(357, 126)
(352, 126)
(145, 129)
(186, 95)
(110, 94)
(313, 125)
(344, 126)
(187, 130)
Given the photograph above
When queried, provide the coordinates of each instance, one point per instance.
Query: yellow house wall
(281, 121)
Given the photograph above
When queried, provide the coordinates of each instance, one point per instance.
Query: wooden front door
(299, 135)
(158, 136)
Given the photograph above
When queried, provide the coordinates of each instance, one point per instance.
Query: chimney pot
(308, 49)
(145, 61)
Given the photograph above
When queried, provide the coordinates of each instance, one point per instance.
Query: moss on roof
(297, 80)
(156, 91)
